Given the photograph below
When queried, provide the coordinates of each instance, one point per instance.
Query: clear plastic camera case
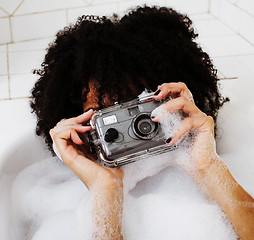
(125, 133)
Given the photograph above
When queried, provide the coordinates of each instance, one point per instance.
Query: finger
(79, 163)
(64, 135)
(180, 103)
(85, 116)
(183, 104)
(174, 89)
(193, 122)
(78, 127)
(62, 141)
(82, 118)
(69, 132)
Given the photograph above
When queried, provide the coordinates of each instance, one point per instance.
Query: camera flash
(109, 120)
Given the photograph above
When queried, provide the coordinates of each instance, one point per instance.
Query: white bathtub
(21, 150)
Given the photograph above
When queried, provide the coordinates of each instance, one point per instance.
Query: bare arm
(105, 185)
(208, 171)
(107, 210)
(218, 184)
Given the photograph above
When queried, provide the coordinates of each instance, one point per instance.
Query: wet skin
(206, 165)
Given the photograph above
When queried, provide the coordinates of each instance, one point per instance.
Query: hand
(77, 156)
(210, 173)
(203, 151)
(106, 183)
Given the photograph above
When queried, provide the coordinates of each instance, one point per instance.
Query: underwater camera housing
(125, 133)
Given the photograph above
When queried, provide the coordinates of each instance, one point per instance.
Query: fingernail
(89, 110)
(168, 140)
(157, 92)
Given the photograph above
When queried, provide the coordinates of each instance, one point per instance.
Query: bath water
(47, 201)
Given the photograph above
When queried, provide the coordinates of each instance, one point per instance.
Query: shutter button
(111, 135)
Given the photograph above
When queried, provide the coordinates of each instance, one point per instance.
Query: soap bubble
(160, 200)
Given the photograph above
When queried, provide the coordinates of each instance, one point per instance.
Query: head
(99, 61)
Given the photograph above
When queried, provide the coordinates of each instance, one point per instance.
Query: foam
(169, 121)
(137, 171)
(101, 212)
(160, 202)
(60, 225)
(178, 203)
(41, 192)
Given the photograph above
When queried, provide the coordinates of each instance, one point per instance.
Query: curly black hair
(145, 48)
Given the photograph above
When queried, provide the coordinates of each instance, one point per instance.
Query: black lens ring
(137, 132)
(145, 127)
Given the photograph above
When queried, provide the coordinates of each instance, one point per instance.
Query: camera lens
(144, 127)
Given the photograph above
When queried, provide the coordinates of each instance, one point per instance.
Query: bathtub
(42, 199)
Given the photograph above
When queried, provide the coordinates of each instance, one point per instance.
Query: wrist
(209, 175)
(213, 173)
(108, 183)
(217, 183)
(210, 166)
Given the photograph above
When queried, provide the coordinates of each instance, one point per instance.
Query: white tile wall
(247, 5)
(4, 89)
(33, 45)
(214, 7)
(3, 64)
(25, 62)
(224, 27)
(234, 66)
(212, 27)
(3, 49)
(234, 1)
(247, 27)
(189, 7)
(126, 5)
(10, 5)
(5, 30)
(237, 14)
(39, 25)
(230, 14)
(201, 16)
(100, 10)
(21, 85)
(229, 45)
(247, 60)
(32, 6)
(3, 13)
(97, 2)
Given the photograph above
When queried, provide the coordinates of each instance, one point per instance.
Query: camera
(125, 133)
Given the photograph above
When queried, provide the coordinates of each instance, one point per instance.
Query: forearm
(218, 184)
(107, 206)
